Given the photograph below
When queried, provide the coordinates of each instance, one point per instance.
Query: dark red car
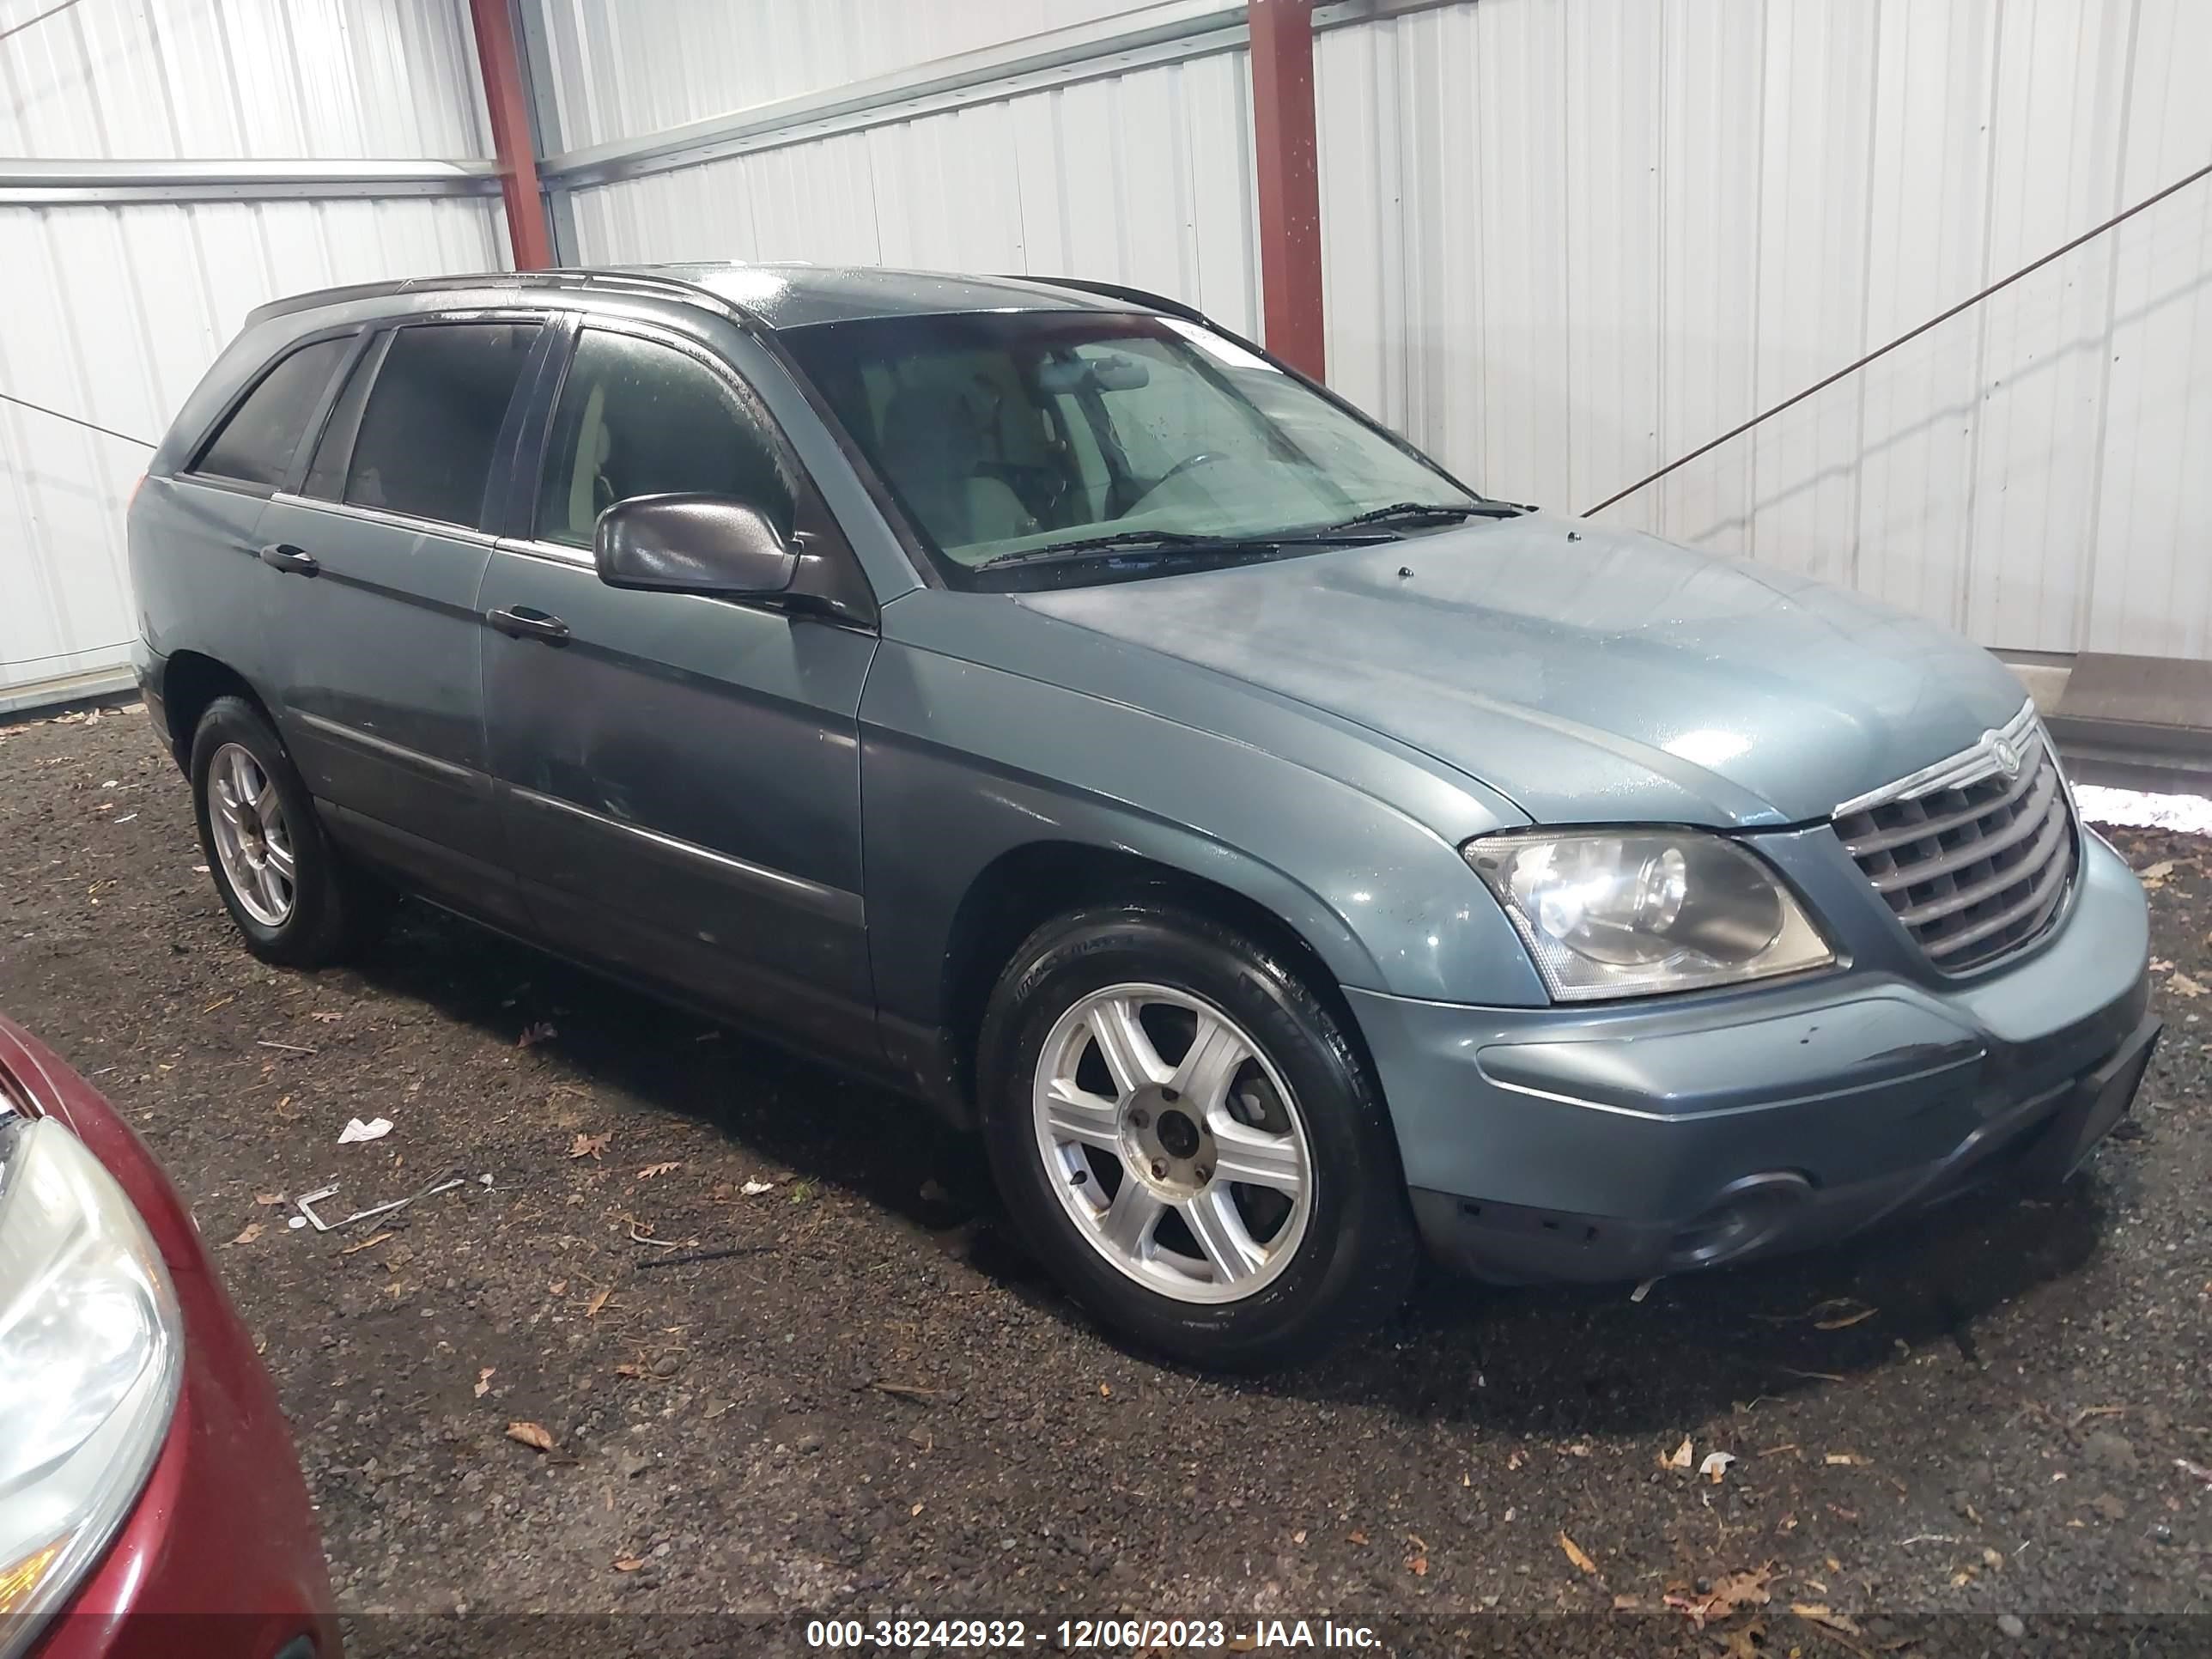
(150, 1500)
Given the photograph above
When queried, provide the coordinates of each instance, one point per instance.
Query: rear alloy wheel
(292, 895)
(1185, 1138)
(253, 842)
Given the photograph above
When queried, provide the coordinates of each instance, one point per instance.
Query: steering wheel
(1203, 457)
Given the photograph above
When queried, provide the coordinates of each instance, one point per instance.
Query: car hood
(1590, 675)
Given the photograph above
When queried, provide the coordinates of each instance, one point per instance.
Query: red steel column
(509, 103)
(1290, 180)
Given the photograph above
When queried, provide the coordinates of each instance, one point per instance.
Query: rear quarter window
(256, 443)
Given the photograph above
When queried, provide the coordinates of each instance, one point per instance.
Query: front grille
(1973, 862)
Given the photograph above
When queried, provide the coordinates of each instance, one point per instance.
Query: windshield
(1008, 434)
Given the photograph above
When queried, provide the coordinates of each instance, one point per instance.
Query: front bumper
(1659, 1136)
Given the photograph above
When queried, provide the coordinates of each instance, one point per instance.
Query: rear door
(680, 775)
(378, 546)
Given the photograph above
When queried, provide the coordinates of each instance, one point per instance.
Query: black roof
(779, 296)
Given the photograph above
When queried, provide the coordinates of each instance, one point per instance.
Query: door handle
(523, 622)
(282, 556)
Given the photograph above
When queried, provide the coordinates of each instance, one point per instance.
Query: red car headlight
(91, 1356)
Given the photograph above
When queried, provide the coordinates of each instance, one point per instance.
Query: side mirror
(687, 543)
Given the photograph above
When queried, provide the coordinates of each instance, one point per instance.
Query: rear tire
(293, 895)
(1185, 1137)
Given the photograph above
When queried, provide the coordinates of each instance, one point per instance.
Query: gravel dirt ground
(866, 1402)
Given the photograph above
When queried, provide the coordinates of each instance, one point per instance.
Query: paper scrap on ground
(375, 1129)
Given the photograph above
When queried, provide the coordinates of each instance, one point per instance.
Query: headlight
(91, 1353)
(1626, 913)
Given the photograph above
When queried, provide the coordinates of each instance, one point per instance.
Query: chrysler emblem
(2006, 756)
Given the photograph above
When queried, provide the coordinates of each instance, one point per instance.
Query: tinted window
(637, 418)
(433, 419)
(256, 443)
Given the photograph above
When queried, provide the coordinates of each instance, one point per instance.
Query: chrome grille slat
(1989, 886)
(2026, 822)
(2050, 886)
(1974, 861)
(1919, 829)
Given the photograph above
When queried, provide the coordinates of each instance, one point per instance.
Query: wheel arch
(1027, 885)
(190, 681)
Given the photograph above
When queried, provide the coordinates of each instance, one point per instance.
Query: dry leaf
(1744, 1642)
(2152, 876)
(252, 1231)
(1737, 1589)
(483, 1380)
(652, 1171)
(1715, 1465)
(627, 1563)
(598, 1301)
(589, 1145)
(364, 1244)
(2182, 985)
(1418, 1565)
(558, 1287)
(1574, 1553)
(530, 1434)
(268, 1198)
(1628, 1604)
(1819, 1614)
(1680, 1458)
(541, 1032)
(1355, 1537)
(1844, 1321)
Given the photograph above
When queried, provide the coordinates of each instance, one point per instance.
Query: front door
(679, 776)
(381, 552)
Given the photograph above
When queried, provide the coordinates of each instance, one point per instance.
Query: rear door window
(256, 445)
(431, 425)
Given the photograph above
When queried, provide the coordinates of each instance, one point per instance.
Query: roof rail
(1158, 302)
(633, 281)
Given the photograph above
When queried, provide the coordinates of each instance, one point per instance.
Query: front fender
(963, 764)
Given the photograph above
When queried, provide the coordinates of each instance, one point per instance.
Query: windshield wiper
(1171, 541)
(1417, 511)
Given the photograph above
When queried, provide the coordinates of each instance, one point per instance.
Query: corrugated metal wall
(112, 312)
(625, 67)
(1142, 178)
(1569, 240)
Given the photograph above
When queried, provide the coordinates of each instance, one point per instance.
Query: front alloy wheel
(1187, 1138)
(1175, 1145)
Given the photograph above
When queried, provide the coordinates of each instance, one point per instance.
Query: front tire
(1184, 1134)
(292, 895)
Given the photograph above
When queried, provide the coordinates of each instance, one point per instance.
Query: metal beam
(27, 183)
(1284, 152)
(1153, 34)
(546, 128)
(507, 100)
